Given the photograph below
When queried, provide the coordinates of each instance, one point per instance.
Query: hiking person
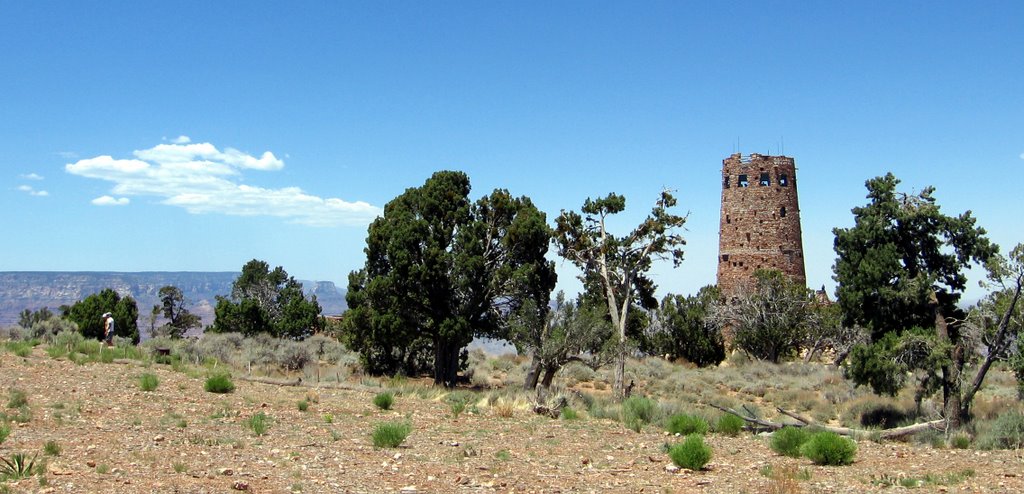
(108, 328)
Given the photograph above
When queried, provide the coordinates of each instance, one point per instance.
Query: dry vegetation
(90, 425)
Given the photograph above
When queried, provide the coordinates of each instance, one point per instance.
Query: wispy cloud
(181, 140)
(31, 176)
(203, 179)
(68, 155)
(33, 192)
(1022, 156)
(110, 201)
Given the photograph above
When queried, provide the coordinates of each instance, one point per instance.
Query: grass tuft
(384, 401)
(390, 434)
(148, 382)
(258, 423)
(692, 453)
(219, 383)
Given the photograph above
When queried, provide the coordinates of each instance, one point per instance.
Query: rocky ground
(178, 438)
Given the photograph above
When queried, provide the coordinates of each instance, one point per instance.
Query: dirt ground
(115, 437)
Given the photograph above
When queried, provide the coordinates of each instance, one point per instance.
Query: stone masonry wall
(760, 222)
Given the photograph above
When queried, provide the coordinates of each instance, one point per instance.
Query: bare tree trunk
(549, 375)
(532, 375)
(1001, 341)
(950, 372)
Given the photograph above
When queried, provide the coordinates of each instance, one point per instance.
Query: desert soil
(115, 437)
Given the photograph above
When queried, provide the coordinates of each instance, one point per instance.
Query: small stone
(90, 464)
(240, 485)
(225, 471)
(115, 471)
(158, 438)
(398, 456)
(431, 478)
(409, 489)
(671, 468)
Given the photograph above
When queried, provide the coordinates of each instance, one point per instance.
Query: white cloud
(181, 140)
(31, 176)
(110, 201)
(32, 191)
(205, 180)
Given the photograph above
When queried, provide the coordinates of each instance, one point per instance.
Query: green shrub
(569, 414)
(390, 434)
(52, 448)
(960, 441)
(303, 405)
(788, 440)
(829, 448)
(638, 411)
(148, 382)
(5, 430)
(219, 383)
(1005, 432)
(17, 399)
(384, 401)
(692, 453)
(18, 466)
(258, 423)
(729, 424)
(684, 425)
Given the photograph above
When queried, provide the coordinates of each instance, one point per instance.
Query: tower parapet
(760, 223)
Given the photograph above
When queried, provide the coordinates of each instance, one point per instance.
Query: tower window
(725, 183)
(725, 257)
(742, 181)
(782, 212)
(765, 181)
(783, 180)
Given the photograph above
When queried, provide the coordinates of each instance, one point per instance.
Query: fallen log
(802, 421)
(266, 380)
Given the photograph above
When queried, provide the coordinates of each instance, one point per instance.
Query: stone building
(760, 223)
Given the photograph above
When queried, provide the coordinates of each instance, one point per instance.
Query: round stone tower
(760, 224)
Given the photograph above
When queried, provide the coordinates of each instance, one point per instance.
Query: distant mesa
(33, 290)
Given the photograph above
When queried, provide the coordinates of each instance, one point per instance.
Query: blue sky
(153, 136)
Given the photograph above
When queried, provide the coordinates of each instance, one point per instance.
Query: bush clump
(384, 401)
(148, 382)
(692, 453)
(258, 423)
(788, 440)
(729, 424)
(1005, 432)
(684, 425)
(829, 448)
(638, 411)
(219, 383)
(390, 434)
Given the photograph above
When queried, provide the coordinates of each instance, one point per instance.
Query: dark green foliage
(27, 318)
(788, 440)
(1005, 432)
(729, 424)
(384, 401)
(86, 314)
(219, 383)
(5, 431)
(265, 301)
(685, 330)
(172, 304)
(692, 453)
(441, 270)
(685, 425)
(390, 434)
(638, 411)
(829, 448)
(303, 405)
(900, 270)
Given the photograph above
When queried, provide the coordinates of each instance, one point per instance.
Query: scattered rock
(409, 489)
(91, 463)
(225, 471)
(159, 438)
(671, 468)
(240, 485)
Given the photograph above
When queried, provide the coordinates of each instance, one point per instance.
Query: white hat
(105, 314)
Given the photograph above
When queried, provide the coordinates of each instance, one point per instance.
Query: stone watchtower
(760, 224)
